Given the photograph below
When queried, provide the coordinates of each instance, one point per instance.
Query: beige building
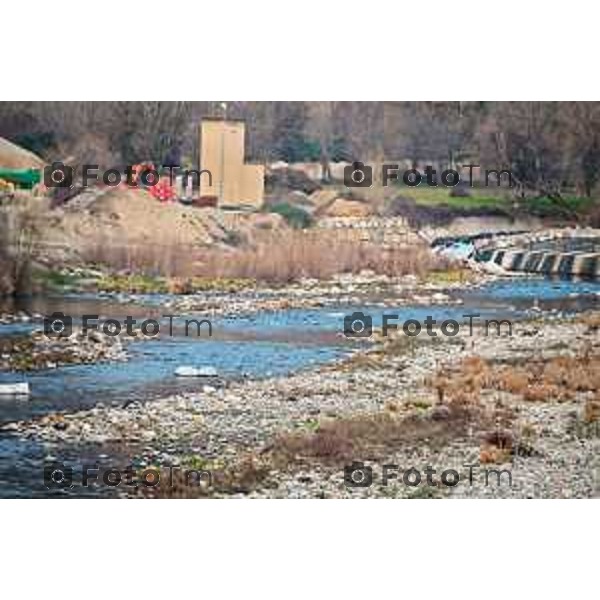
(234, 183)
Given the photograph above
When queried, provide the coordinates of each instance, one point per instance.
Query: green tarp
(25, 178)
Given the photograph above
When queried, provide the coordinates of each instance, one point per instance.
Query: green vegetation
(424, 492)
(420, 404)
(145, 284)
(135, 284)
(199, 463)
(293, 215)
(542, 206)
(566, 206)
(58, 281)
(448, 276)
(478, 198)
(436, 197)
(311, 425)
(425, 195)
(217, 284)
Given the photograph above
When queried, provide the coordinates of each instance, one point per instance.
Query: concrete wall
(222, 153)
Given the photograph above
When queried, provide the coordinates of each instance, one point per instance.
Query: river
(262, 344)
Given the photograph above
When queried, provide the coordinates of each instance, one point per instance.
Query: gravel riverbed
(222, 424)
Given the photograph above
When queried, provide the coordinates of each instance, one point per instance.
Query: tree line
(550, 147)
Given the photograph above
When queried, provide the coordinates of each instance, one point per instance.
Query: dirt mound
(128, 220)
(100, 223)
(343, 207)
(15, 157)
(143, 219)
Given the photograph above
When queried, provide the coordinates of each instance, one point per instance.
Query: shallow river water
(258, 345)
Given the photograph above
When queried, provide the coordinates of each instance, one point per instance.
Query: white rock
(14, 389)
(189, 371)
(439, 297)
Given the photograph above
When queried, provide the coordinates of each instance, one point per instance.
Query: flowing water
(245, 346)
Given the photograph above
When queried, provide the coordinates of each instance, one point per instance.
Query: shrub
(292, 255)
(460, 191)
(19, 232)
(165, 256)
(273, 255)
(294, 216)
(564, 207)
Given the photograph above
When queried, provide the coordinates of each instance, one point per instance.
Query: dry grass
(462, 385)
(557, 379)
(332, 444)
(536, 381)
(289, 256)
(277, 258)
(242, 477)
(494, 454)
(591, 410)
(592, 320)
(369, 436)
(20, 221)
(162, 257)
(273, 256)
(338, 442)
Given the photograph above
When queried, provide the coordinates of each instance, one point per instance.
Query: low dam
(563, 253)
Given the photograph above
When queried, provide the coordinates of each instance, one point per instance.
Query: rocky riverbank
(343, 289)
(38, 351)
(439, 402)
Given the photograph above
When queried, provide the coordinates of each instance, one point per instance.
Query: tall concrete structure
(234, 183)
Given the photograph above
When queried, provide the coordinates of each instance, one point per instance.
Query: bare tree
(583, 143)
(321, 126)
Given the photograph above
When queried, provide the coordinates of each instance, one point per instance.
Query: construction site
(223, 215)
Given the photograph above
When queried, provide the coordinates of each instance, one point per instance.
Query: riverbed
(252, 346)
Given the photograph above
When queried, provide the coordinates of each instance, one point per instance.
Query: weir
(564, 253)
